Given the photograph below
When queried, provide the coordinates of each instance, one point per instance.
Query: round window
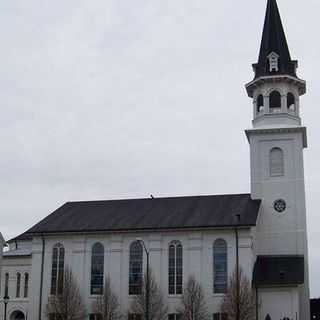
(280, 205)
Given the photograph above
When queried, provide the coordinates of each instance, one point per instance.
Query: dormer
(273, 62)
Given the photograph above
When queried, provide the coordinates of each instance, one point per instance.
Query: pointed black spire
(274, 57)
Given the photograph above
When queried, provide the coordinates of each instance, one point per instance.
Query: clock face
(280, 205)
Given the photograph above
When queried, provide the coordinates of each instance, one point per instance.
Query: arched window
(175, 267)
(220, 274)
(135, 268)
(26, 285)
(276, 162)
(57, 273)
(18, 285)
(291, 102)
(6, 284)
(260, 103)
(97, 268)
(275, 101)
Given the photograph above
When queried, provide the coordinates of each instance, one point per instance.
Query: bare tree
(193, 305)
(157, 308)
(69, 304)
(247, 302)
(107, 304)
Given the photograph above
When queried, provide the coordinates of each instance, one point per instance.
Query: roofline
(161, 198)
(176, 229)
(24, 237)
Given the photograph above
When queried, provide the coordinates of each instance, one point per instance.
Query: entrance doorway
(17, 315)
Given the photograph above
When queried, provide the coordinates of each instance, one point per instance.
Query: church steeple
(276, 88)
(274, 57)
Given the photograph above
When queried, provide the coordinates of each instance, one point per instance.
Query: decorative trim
(261, 131)
(251, 86)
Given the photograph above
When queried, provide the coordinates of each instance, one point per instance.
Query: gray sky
(109, 99)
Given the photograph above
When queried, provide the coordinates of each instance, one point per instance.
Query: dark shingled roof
(274, 40)
(150, 214)
(278, 270)
(22, 237)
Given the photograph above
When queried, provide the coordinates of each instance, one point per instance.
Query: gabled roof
(151, 214)
(278, 270)
(274, 40)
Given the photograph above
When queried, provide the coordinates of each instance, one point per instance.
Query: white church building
(188, 235)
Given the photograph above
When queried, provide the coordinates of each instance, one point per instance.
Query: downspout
(257, 303)
(237, 268)
(41, 277)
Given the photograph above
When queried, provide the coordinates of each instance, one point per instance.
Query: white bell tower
(277, 140)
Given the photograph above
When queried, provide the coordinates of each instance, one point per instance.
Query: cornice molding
(260, 131)
(301, 84)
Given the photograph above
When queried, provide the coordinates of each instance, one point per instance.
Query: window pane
(26, 285)
(134, 316)
(224, 316)
(175, 268)
(220, 266)
(6, 285)
(135, 268)
(18, 285)
(216, 316)
(57, 270)
(97, 268)
(54, 271)
(60, 270)
(174, 316)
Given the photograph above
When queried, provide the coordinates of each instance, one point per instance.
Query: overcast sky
(105, 99)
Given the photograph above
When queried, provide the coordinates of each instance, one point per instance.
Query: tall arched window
(260, 103)
(26, 285)
(18, 285)
(6, 284)
(275, 100)
(135, 268)
(276, 162)
(97, 268)
(57, 273)
(220, 273)
(175, 267)
(291, 102)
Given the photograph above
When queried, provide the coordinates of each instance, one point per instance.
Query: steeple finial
(274, 56)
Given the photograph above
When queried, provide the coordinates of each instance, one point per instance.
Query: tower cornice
(261, 131)
(256, 83)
